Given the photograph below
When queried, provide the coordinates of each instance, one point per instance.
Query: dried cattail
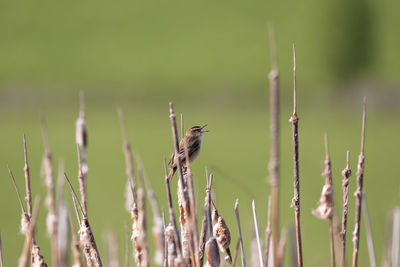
(74, 242)
(222, 234)
(171, 248)
(325, 208)
(212, 253)
(62, 215)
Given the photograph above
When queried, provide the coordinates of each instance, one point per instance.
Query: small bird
(192, 141)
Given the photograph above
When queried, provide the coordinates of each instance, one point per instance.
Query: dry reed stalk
(25, 218)
(281, 248)
(81, 139)
(183, 198)
(87, 240)
(359, 190)
(259, 247)
(326, 207)
(370, 243)
(142, 222)
(203, 231)
(165, 258)
(28, 197)
(235, 253)
(274, 128)
(268, 233)
(222, 234)
(346, 173)
(1, 252)
(172, 218)
(74, 242)
(240, 233)
(30, 247)
(158, 228)
(112, 245)
(51, 220)
(170, 235)
(296, 198)
(211, 248)
(62, 215)
(193, 225)
(212, 251)
(395, 237)
(204, 225)
(388, 243)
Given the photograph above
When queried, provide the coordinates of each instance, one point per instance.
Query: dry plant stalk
(172, 221)
(183, 197)
(259, 248)
(240, 233)
(211, 248)
(30, 246)
(158, 227)
(222, 234)
(25, 218)
(52, 219)
(1, 252)
(203, 231)
(325, 209)
(370, 243)
(86, 237)
(62, 215)
(346, 173)
(268, 233)
(395, 245)
(359, 190)
(81, 140)
(281, 248)
(296, 198)
(112, 245)
(274, 160)
(236, 253)
(28, 197)
(74, 242)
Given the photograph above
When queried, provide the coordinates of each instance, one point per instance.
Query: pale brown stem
(172, 218)
(236, 253)
(1, 252)
(52, 220)
(184, 197)
(30, 241)
(296, 199)
(332, 243)
(268, 234)
(282, 248)
(359, 191)
(112, 246)
(74, 242)
(261, 262)
(328, 180)
(346, 173)
(240, 233)
(274, 128)
(28, 197)
(16, 190)
(370, 243)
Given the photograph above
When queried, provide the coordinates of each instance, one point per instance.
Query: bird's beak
(203, 128)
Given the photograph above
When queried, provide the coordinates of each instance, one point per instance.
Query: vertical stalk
(296, 198)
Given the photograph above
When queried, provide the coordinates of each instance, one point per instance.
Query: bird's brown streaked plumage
(192, 140)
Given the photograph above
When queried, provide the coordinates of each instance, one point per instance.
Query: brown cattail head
(222, 234)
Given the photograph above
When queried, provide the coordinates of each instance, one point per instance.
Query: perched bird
(192, 142)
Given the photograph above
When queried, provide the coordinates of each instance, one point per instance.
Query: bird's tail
(171, 173)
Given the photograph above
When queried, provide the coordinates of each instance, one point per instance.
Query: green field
(212, 61)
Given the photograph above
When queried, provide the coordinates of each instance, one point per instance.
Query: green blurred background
(212, 60)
